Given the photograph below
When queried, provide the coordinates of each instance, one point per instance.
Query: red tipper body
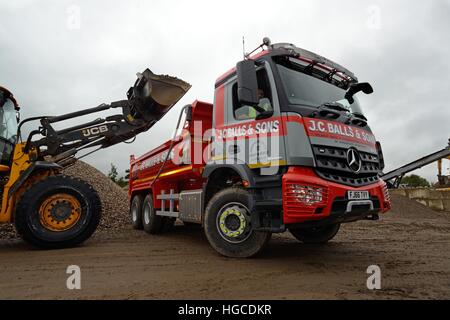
(183, 170)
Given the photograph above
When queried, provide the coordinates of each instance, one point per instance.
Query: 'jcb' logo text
(94, 131)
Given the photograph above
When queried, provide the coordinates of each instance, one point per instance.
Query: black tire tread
(29, 196)
(308, 237)
(137, 225)
(156, 222)
(251, 247)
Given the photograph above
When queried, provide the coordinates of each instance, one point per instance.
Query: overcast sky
(61, 56)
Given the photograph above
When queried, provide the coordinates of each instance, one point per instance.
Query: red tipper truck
(285, 146)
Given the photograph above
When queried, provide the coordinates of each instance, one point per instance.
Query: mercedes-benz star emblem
(354, 160)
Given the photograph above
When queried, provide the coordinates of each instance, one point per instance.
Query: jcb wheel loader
(51, 210)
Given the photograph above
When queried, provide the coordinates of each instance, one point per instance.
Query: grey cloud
(52, 69)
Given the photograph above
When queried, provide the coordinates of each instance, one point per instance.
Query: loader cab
(8, 128)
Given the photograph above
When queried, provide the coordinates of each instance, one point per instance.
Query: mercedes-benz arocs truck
(284, 147)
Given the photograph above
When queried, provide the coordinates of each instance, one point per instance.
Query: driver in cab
(248, 112)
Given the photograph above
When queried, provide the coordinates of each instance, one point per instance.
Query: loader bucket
(153, 95)
(6, 94)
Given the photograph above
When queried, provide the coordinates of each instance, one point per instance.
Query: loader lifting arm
(393, 178)
(148, 101)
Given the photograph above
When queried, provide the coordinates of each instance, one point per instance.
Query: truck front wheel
(317, 235)
(228, 225)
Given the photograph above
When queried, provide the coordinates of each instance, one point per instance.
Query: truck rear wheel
(58, 212)
(228, 225)
(318, 235)
(152, 223)
(136, 212)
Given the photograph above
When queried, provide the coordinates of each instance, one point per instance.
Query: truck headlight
(308, 195)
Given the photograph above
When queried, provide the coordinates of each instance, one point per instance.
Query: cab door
(253, 135)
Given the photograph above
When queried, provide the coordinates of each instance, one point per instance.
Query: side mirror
(247, 83)
(355, 88)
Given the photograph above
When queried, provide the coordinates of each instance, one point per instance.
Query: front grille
(331, 164)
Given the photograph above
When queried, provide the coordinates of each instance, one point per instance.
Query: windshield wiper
(329, 110)
(359, 115)
(333, 106)
(357, 119)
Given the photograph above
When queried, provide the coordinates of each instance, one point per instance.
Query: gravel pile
(407, 208)
(114, 200)
(7, 231)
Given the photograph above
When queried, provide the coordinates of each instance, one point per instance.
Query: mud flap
(267, 216)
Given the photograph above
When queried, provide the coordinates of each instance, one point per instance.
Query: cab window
(8, 131)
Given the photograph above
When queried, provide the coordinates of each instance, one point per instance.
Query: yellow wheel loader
(51, 210)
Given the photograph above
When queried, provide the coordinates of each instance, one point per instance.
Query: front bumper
(334, 206)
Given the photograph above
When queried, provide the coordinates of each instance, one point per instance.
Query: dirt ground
(411, 246)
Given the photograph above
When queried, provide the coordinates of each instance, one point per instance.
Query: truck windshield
(307, 90)
(8, 125)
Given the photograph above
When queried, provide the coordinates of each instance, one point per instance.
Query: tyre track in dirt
(411, 245)
(133, 265)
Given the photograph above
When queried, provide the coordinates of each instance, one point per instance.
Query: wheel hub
(233, 223)
(60, 212)
(134, 213)
(147, 214)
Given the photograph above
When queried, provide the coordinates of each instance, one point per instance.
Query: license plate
(358, 195)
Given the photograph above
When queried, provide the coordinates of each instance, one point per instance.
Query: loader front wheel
(58, 212)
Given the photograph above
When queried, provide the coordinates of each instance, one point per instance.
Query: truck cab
(290, 149)
(314, 144)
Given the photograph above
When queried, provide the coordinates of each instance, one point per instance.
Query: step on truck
(284, 147)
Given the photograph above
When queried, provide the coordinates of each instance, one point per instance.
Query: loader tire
(58, 212)
(136, 212)
(152, 223)
(228, 225)
(318, 235)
